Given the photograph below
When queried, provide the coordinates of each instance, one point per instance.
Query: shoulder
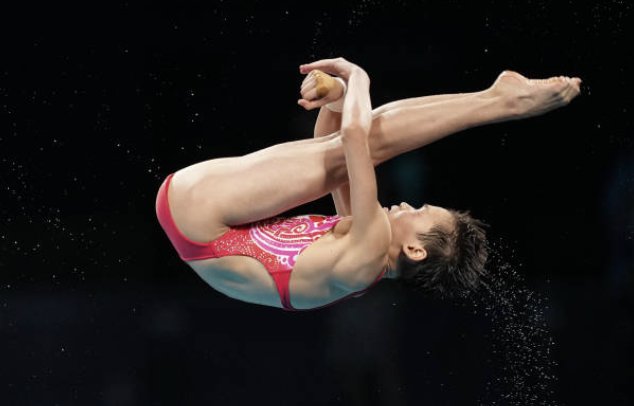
(362, 257)
(377, 237)
(344, 262)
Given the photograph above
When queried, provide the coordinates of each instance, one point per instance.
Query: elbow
(360, 72)
(356, 120)
(355, 129)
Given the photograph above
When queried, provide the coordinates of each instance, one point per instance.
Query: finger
(310, 83)
(325, 65)
(308, 105)
(311, 94)
(309, 76)
(307, 67)
(312, 104)
(306, 87)
(306, 79)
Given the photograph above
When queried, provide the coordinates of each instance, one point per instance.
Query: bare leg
(234, 191)
(511, 97)
(417, 101)
(239, 190)
(329, 122)
(399, 129)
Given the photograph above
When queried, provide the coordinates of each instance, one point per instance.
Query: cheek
(397, 222)
(405, 221)
(402, 218)
(424, 225)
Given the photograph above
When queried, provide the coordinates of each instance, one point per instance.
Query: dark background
(100, 101)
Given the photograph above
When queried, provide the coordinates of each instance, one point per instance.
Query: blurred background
(99, 101)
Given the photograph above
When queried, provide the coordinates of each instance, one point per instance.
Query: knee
(376, 140)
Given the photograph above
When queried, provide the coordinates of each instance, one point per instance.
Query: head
(441, 251)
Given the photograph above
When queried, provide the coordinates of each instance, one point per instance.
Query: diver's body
(209, 199)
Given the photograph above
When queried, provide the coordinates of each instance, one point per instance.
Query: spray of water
(520, 340)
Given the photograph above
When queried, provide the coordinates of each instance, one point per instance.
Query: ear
(415, 251)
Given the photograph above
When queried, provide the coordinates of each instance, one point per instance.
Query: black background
(100, 101)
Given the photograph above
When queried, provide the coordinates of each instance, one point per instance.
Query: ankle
(507, 105)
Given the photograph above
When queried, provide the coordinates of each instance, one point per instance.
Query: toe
(559, 86)
(570, 94)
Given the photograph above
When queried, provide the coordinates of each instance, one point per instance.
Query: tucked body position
(223, 215)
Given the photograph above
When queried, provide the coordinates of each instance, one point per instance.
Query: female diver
(220, 214)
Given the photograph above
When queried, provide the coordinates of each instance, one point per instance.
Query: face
(407, 221)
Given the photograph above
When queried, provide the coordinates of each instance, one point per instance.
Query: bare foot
(532, 97)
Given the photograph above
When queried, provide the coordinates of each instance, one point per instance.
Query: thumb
(310, 105)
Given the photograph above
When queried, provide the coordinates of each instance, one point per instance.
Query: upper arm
(369, 237)
(341, 198)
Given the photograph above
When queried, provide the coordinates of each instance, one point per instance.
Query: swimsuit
(276, 242)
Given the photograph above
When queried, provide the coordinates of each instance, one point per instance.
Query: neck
(391, 272)
(393, 254)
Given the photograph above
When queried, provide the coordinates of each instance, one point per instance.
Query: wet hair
(455, 260)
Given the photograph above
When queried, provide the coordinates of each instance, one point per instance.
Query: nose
(406, 206)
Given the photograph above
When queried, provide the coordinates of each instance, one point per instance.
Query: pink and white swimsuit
(276, 242)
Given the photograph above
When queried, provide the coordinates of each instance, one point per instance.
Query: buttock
(196, 215)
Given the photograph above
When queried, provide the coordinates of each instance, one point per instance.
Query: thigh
(209, 196)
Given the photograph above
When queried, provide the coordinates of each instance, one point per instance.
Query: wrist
(337, 105)
(358, 72)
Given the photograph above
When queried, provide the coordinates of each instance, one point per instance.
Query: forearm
(327, 123)
(357, 107)
(356, 122)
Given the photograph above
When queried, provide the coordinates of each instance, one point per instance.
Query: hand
(318, 89)
(338, 67)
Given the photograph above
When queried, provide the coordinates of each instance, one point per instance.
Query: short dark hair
(455, 258)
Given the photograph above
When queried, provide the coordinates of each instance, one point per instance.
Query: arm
(364, 248)
(356, 122)
(328, 122)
